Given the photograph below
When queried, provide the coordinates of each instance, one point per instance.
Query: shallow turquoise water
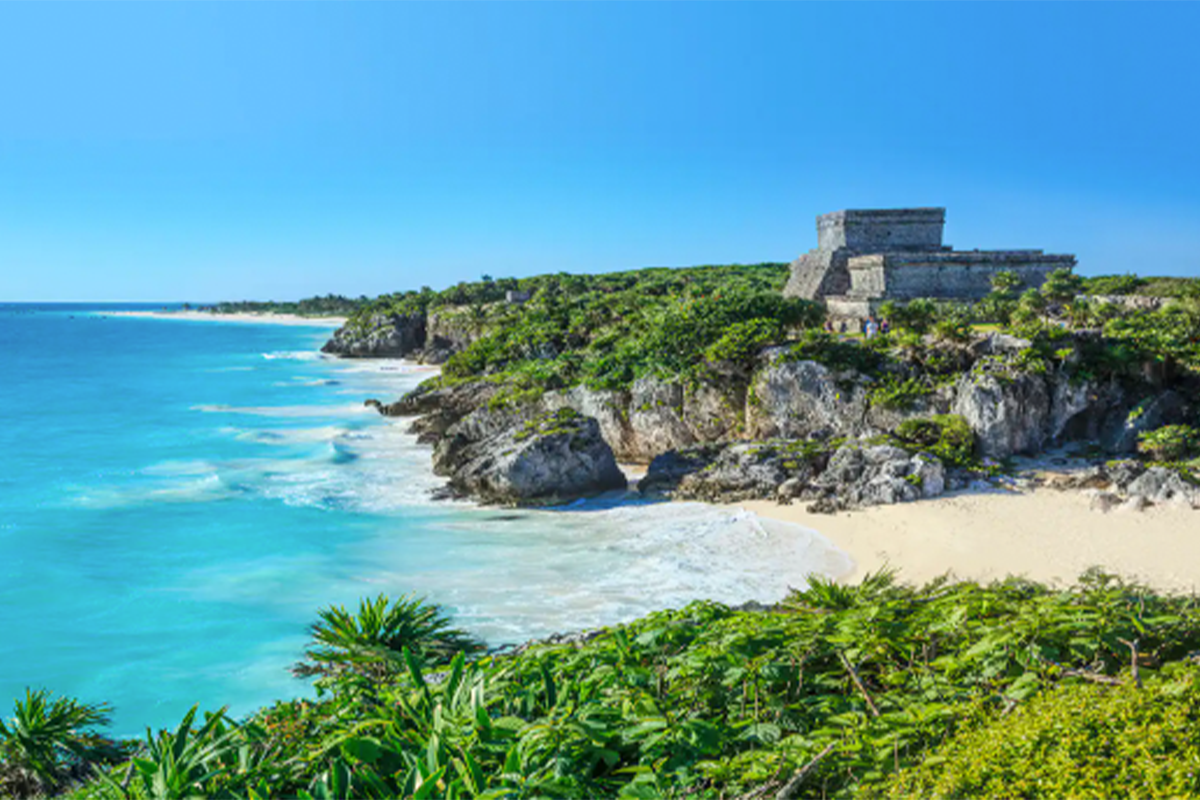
(178, 498)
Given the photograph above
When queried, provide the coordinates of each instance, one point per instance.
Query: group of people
(869, 327)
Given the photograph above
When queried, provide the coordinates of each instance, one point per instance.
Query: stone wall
(951, 275)
(881, 230)
(868, 256)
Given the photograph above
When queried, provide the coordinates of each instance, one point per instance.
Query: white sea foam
(509, 575)
(295, 355)
(344, 409)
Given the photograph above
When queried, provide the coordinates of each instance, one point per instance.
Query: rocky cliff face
(695, 432)
(382, 336)
(798, 399)
(429, 339)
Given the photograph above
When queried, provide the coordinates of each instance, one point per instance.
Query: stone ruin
(865, 257)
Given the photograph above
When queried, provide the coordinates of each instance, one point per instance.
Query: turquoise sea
(178, 498)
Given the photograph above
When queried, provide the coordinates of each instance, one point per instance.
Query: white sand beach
(204, 316)
(1044, 535)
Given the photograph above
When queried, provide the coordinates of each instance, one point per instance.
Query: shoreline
(1044, 535)
(260, 319)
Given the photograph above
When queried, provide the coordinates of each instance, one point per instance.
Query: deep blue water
(178, 498)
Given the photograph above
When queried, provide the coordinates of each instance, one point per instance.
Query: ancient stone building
(867, 256)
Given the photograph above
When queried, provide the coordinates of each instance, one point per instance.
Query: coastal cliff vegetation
(1011, 689)
(331, 305)
(677, 364)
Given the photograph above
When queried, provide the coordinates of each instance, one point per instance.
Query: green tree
(1061, 286)
(1006, 282)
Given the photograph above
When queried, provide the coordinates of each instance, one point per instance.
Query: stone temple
(867, 256)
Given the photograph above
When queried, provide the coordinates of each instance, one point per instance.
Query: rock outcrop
(429, 339)
(877, 475)
(798, 399)
(382, 336)
(745, 471)
(857, 474)
(1130, 484)
(539, 460)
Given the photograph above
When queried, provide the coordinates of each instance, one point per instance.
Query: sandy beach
(1044, 535)
(204, 316)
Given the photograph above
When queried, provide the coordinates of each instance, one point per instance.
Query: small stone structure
(867, 256)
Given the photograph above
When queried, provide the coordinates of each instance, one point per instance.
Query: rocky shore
(792, 430)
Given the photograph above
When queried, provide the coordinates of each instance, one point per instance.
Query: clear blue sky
(223, 151)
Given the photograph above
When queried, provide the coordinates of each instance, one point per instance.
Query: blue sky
(225, 151)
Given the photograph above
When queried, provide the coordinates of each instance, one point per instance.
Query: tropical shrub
(831, 693)
(1170, 443)
(916, 315)
(836, 353)
(895, 393)
(1113, 284)
(742, 341)
(370, 642)
(1075, 741)
(1061, 286)
(947, 436)
(49, 742)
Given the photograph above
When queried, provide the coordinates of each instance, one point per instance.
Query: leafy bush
(1170, 443)
(1006, 282)
(49, 742)
(1075, 741)
(916, 315)
(898, 394)
(742, 341)
(1061, 286)
(1113, 284)
(836, 353)
(947, 436)
(369, 643)
(700, 702)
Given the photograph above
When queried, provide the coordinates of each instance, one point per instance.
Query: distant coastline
(263, 318)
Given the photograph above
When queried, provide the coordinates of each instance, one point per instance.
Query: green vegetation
(900, 394)
(369, 642)
(331, 305)
(1170, 443)
(49, 742)
(875, 689)
(550, 423)
(1145, 287)
(1076, 741)
(947, 436)
(608, 330)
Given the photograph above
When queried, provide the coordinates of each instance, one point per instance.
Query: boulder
(743, 471)
(548, 458)
(666, 471)
(455, 401)
(1160, 485)
(877, 475)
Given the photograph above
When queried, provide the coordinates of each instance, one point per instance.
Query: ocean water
(178, 499)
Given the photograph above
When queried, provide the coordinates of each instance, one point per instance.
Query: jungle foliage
(331, 305)
(608, 330)
(839, 691)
